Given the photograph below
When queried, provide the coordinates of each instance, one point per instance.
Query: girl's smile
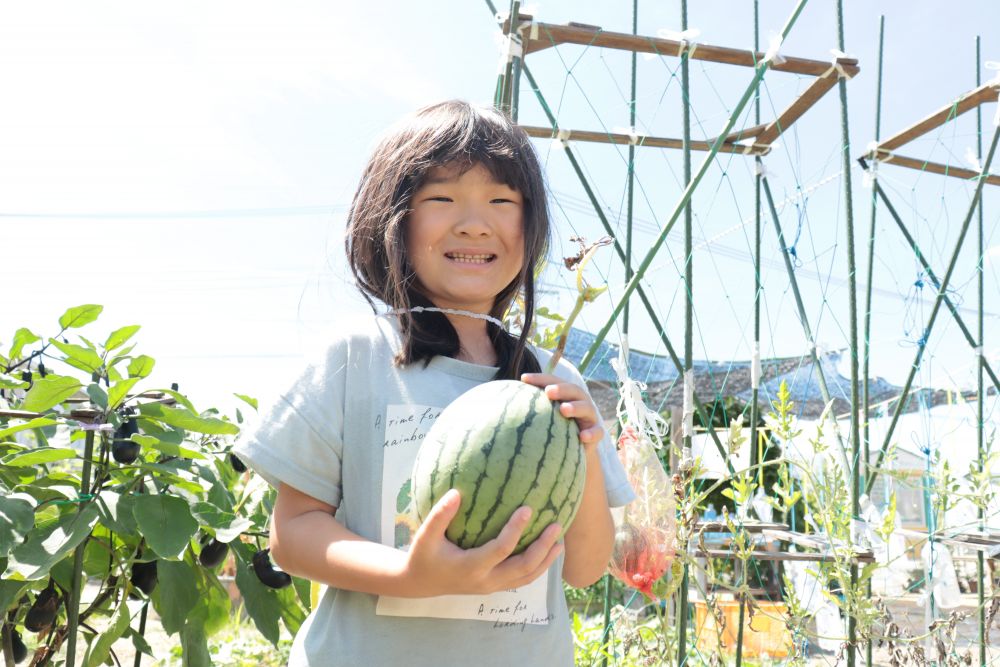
(465, 237)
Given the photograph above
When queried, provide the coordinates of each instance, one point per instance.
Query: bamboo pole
(971, 100)
(728, 145)
(852, 277)
(682, 605)
(868, 292)
(754, 459)
(980, 403)
(628, 271)
(934, 312)
(550, 35)
(76, 583)
(934, 167)
(688, 191)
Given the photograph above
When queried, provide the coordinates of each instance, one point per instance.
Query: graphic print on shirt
(406, 427)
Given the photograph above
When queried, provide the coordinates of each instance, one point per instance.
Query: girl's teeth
(471, 259)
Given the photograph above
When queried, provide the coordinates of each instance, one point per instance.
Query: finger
(541, 380)
(503, 545)
(565, 391)
(583, 412)
(529, 560)
(542, 568)
(440, 515)
(592, 434)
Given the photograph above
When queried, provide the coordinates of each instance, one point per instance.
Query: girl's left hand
(574, 403)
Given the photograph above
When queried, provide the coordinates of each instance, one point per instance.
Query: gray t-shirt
(346, 433)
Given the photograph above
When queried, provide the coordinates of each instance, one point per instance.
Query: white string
(449, 311)
(647, 422)
(96, 427)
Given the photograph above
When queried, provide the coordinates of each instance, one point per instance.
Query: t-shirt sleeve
(298, 439)
(616, 483)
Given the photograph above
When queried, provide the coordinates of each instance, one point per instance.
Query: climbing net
(779, 557)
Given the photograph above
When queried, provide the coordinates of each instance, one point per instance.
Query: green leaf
(140, 643)
(11, 382)
(22, 337)
(258, 599)
(252, 402)
(116, 512)
(85, 358)
(213, 610)
(48, 392)
(38, 456)
(97, 396)
(187, 420)
(17, 518)
(165, 522)
(37, 422)
(168, 448)
(194, 646)
(119, 390)
(101, 648)
(79, 316)
(227, 526)
(118, 337)
(10, 591)
(44, 548)
(141, 366)
(178, 588)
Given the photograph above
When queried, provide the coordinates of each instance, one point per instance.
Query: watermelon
(502, 445)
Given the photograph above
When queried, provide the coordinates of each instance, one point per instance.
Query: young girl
(448, 225)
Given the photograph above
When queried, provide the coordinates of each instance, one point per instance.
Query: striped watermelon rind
(502, 445)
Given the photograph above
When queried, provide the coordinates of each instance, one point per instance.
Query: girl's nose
(472, 223)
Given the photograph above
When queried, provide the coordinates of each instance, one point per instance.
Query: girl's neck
(474, 344)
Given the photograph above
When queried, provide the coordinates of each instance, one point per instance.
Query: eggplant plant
(107, 479)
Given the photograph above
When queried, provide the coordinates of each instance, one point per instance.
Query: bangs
(470, 136)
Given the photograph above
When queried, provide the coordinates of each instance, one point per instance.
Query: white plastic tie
(771, 55)
(688, 429)
(633, 136)
(533, 31)
(685, 37)
(510, 48)
(870, 175)
(562, 136)
(970, 157)
(761, 170)
(993, 66)
(841, 72)
(755, 368)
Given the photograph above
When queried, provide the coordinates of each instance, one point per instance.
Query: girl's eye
(502, 200)
(439, 198)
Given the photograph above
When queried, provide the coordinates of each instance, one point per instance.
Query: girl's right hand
(436, 566)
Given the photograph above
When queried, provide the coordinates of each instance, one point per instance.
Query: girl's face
(465, 237)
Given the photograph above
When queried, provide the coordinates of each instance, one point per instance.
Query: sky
(189, 166)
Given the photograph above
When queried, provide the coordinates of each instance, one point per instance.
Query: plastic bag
(645, 537)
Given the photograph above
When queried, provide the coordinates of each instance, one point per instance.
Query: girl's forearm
(316, 546)
(590, 539)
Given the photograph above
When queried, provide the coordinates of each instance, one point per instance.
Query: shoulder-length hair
(452, 133)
